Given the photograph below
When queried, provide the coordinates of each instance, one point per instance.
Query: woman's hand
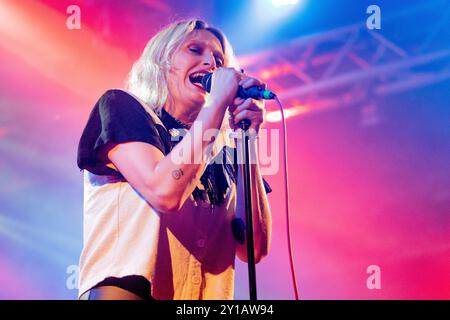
(250, 109)
(224, 86)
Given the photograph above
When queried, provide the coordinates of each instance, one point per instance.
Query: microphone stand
(245, 124)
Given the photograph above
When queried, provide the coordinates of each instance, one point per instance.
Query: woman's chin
(198, 100)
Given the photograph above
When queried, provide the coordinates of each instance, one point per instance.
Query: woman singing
(163, 198)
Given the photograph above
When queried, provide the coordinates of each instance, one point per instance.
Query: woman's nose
(209, 60)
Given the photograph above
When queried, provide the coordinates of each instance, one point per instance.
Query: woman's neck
(184, 115)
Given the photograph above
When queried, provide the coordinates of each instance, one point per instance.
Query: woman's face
(198, 54)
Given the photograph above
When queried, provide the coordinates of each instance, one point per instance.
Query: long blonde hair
(147, 79)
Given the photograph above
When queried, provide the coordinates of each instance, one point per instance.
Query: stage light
(275, 116)
(279, 3)
(272, 12)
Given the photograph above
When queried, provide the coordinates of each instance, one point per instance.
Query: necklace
(184, 125)
(175, 122)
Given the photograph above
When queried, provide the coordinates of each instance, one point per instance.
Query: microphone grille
(206, 82)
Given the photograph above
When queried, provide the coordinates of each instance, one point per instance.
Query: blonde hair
(147, 79)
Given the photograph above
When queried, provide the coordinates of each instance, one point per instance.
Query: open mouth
(196, 79)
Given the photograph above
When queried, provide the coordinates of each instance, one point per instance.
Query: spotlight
(275, 116)
(279, 3)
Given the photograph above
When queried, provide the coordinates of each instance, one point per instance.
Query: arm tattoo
(176, 174)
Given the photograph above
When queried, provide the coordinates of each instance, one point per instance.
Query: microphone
(253, 92)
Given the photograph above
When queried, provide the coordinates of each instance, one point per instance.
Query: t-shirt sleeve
(116, 118)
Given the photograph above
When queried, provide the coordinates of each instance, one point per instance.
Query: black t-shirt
(118, 117)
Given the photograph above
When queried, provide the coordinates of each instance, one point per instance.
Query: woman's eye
(194, 49)
(219, 62)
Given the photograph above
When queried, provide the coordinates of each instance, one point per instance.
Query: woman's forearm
(178, 173)
(261, 214)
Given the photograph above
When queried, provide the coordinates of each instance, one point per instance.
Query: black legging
(125, 288)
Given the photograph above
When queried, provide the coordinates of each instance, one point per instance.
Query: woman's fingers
(237, 102)
(250, 82)
(250, 109)
(224, 85)
(250, 115)
(247, 104)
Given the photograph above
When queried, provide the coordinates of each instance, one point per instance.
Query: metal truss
(352, 65)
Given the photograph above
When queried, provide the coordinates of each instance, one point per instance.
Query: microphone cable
(286, 199)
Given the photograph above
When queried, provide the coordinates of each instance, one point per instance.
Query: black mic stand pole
(245, 124)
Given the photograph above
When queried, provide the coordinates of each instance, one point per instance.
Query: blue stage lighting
(279, 3)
